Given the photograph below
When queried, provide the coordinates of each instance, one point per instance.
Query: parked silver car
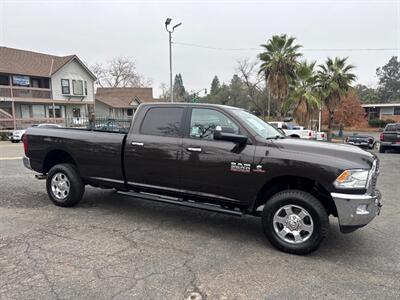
(15, 136)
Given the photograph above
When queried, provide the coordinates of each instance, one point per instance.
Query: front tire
(64, 185)
(294, 221)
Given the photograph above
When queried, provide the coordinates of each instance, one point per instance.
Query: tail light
(25, 141)
(381, 136)
(309, 134)
(323, 136)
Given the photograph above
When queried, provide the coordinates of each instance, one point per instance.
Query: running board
(181, 202)
(40, 176)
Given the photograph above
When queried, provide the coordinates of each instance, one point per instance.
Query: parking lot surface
(116, 247)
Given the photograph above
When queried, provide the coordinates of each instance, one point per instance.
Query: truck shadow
(246, 229)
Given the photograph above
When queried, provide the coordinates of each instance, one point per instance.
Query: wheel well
(55, 157)
(282, 183)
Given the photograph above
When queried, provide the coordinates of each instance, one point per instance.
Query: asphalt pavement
(116, 247)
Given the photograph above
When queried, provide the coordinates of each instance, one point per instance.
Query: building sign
(21, 80)
(5, 99)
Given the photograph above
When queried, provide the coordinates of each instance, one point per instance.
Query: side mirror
(227, 134)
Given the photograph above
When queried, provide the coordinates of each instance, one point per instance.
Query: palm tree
(334, 81)
(278, 64)
(304, 98)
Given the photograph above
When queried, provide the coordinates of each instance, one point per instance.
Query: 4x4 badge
(259, 169)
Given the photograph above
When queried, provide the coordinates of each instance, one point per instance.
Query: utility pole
(170, 31)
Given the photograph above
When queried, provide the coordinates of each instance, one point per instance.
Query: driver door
(209, 167)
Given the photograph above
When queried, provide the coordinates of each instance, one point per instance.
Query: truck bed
(87, 147)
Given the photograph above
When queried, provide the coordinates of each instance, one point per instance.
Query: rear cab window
(162, 121)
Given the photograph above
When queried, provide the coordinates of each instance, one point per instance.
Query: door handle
(137, 144)
(193, 149)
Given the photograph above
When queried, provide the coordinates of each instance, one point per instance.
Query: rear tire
(382, 149)
(64, 185)
(295, 222)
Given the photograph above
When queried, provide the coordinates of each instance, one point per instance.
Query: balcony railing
(5, 91)
(24, 92)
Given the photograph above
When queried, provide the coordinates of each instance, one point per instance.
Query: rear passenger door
(153, 148)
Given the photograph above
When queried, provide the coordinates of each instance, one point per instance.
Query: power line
(304, 49)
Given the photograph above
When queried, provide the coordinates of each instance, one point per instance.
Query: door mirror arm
(230, 137)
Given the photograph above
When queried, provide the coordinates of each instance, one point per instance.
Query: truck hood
(338, 155)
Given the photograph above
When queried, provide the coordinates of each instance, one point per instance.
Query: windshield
(262, 128)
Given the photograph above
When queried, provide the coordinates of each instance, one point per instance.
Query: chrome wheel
(60, 186)
(293, 224)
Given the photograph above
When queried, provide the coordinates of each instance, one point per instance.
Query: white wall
(72, 70)
(389, 110)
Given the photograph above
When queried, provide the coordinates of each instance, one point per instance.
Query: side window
(203, 122)
(162, 121)
(65, 86)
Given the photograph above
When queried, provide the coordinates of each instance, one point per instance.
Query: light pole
(170, 31)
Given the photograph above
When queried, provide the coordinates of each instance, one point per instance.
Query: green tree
(389, 81)
(179, 89)
(304, 98)
(215, 85)
(279, 62)
(334, 81)
(366, 94)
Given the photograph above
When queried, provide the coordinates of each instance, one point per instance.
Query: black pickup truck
(217, 158)
(390, 137)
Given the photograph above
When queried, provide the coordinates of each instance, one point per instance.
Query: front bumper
(355, 210)
(360, 144)
(14, 138)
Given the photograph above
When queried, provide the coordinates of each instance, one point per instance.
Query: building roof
(381, 105)
(124, 97)
(16, 61)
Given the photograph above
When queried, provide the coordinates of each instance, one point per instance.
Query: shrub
(380, 123)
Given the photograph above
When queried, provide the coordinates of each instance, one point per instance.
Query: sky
(368, 32)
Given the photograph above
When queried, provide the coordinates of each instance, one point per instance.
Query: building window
(38, 111)
(373, 113)
(35, 83)
(57, 111)
(396, 111)
(129, 112)
(19, 80)
(76, 112)
(25, 111)
(77, 86)
(4, 80)
(86, 88)
(65, 87)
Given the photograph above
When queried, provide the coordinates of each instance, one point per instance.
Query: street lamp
(170, 31)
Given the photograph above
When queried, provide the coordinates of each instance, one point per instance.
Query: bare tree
(256, 89)
(119, 72)
(164, 91)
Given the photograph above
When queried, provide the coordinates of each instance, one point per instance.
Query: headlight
(352, 179)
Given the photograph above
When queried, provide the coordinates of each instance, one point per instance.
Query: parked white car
(15, 136)
(297, 131)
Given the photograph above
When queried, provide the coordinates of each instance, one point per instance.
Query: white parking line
(11, 158)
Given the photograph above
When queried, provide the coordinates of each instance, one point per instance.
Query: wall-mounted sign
(5, 99)
(21, 80)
